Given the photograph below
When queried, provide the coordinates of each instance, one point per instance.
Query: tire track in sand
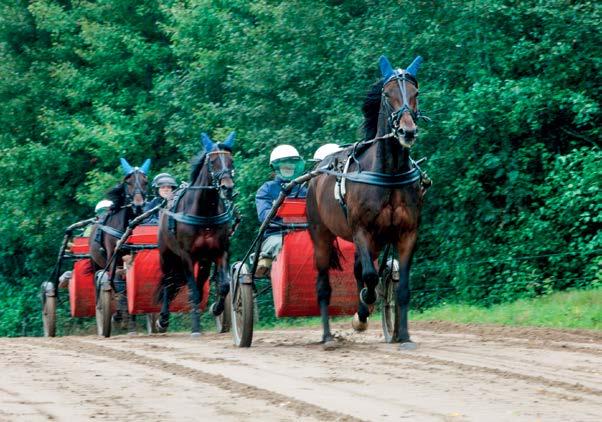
(299, 407)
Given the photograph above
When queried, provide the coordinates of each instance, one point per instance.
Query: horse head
(220, 164)
(399, 100)
(134, 183)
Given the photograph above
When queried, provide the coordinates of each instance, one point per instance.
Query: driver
(287, 165)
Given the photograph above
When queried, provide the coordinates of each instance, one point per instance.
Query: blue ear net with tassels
(388, 72)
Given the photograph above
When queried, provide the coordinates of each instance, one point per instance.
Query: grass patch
(571, 309)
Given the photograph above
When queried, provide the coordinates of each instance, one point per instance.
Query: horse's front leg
(405, 248)
(223, 283)
(365, 266)
(168, 290)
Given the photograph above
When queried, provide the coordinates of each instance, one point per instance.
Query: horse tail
(335, 256)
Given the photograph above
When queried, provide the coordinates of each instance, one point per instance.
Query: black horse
(196, 231)
(128, 200)
(379, 200)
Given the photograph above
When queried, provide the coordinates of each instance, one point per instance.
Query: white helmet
(325, 150)
(105, 203)
(283, 151)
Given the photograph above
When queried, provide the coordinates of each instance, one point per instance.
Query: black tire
(151, 323)
(389, 308)
(49, 316)
(223, 321)
(103, 313)
(242, 307)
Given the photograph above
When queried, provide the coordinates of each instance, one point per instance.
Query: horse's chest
(206, 240)
(398, 213)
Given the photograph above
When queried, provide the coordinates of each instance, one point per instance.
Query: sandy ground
(458, 373)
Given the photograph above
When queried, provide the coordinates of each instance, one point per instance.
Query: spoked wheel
(242, 307)
(223, 321)
(389, 312)
(151, 323)
(49, 316)
(104, 312)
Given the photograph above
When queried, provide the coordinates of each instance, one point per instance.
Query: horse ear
(206, 142)
(125, 166)
(145, 167)
(229, 142)
(413, 68)
(385, 67)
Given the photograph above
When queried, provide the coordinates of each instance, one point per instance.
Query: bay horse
(128, 199)
(196, 230)
(380, 203)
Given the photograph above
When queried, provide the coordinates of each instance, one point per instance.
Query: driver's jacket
(267, 195)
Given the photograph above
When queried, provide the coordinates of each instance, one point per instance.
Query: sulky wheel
(104, 312)
(49, 316)
(222, 321)
(242, 306)
(151, 323)
(389, 309)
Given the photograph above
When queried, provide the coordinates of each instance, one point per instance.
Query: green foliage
(513, 90)
(573, 309)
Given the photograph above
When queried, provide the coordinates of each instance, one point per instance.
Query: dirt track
(457, 373)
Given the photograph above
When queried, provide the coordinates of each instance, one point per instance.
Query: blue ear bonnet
(209, 145)
(128, 169)
(388, 72)
(206, 142)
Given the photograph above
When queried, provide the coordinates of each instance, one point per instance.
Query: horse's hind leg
(223, 283)
(405, 247)
(323, 248)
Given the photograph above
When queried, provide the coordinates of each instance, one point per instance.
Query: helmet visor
(289, 168)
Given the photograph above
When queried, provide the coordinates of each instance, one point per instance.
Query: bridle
(216, 175)
(138, 190)
(394, 116)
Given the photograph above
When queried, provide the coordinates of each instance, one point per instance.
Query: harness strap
(111, 231)
(379, 179)
(202, 221)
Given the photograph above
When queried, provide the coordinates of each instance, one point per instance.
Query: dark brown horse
(196, 230)
(382, 202)
(128, 198)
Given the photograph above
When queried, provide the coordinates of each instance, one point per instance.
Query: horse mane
(371, 108)
(117, 196)
(197, 165)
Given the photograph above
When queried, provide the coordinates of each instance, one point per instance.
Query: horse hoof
(329, 343)
(408, 345)
(357, 324)
(195, 335)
